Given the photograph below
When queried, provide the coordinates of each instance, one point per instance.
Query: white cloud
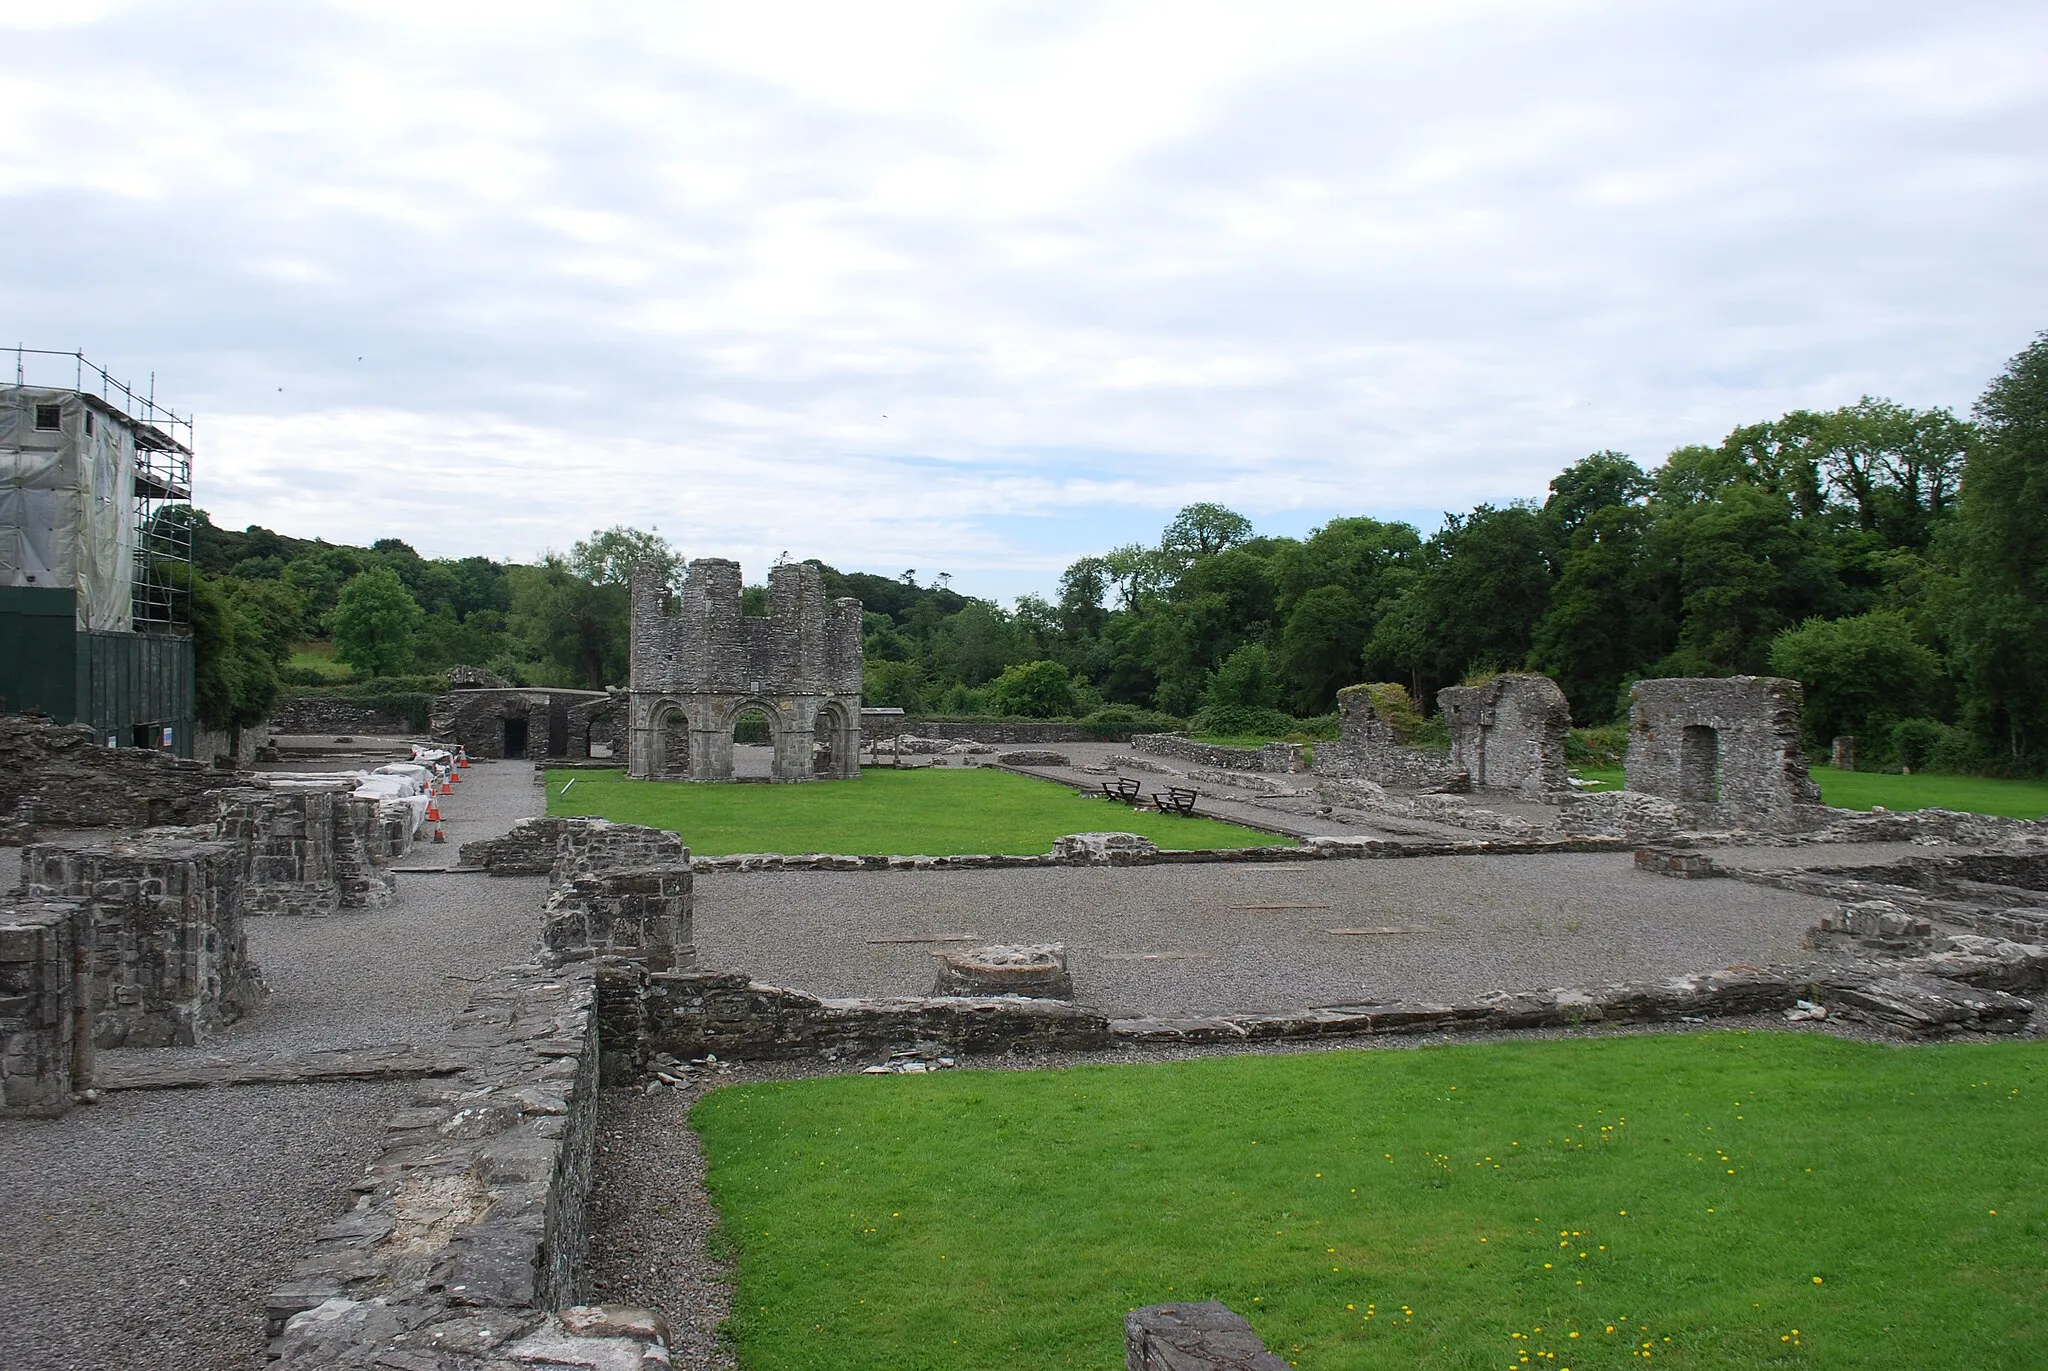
(674, 263)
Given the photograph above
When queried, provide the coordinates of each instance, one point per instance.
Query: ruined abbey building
(700, 663)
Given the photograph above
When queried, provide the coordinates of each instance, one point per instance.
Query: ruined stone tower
(697, 669)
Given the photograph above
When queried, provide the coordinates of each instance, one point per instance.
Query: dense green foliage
(931, 812)
(1894, 560)
(1719, 1200)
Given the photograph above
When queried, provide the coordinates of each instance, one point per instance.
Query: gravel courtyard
(1214, 938)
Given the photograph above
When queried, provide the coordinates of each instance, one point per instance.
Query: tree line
(1893, 560)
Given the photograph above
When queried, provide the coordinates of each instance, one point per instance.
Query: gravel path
(650, 1221)
(142, 1232)
(1181, 940)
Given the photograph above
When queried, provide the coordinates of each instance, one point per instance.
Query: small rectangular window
(49, 417)
(88, 423)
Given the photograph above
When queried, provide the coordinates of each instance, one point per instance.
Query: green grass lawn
(1724, 1201)
(317, 654)
(1868, 789)
(933, 812)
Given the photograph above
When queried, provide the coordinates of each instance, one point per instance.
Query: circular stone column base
(1037, 972)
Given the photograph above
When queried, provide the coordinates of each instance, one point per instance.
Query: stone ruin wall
(61, 776)
(1368, 748)
(308, 851)
(558, 723)
(1275, 758)
(45, 1041)
(696, 670)
(1509, 734)
(1725, 751)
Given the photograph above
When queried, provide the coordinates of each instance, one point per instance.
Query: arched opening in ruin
(512, 736)
(1699, 765)
(672, 744)
(832, 742)
(753, 743)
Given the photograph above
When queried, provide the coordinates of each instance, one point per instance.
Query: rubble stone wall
(61, 776)
(556, 723)
(695, 671)
(1367, 748)
(527, 849)
(1010, 731)
(308, 851)
(1509, 734)
(39, 1006)
(170, 963)
(1280, 758)
(1725, 750)
(300, 715)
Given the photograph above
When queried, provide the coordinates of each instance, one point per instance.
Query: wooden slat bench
(1176, 801)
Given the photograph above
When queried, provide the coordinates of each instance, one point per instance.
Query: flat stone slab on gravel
(1177, 941)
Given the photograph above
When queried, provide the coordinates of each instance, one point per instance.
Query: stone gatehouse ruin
(697, 669)
(1725, 750)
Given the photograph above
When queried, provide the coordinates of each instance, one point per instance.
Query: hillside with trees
(1893, 560)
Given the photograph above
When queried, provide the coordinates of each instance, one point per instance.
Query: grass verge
(1719, 1200)
(1868, 789)
(932, 812)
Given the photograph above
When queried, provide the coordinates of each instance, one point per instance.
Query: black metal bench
(1124, 790)
(1176, 801)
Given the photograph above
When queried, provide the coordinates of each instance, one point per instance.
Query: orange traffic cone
(447, 789)
(462, 760)
(439, 836)
(433, 814)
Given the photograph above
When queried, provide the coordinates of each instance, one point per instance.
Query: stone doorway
(512, 737)
(1699, 765)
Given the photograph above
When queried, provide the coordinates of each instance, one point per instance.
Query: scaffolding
(161, 589)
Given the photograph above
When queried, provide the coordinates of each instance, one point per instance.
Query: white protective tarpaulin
(67, 503)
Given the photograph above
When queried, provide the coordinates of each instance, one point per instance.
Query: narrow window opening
(1699, 765)
(49, 418)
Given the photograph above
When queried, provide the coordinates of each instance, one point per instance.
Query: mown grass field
(1721, 1200)
(933, 812)
(1868, 789)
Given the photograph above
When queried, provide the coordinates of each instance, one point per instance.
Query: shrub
(1603, 746)
(1244, 721)
(1928, 745)
(1034, 690)
(1116, 721)
(1861, 674)
(1248, 679)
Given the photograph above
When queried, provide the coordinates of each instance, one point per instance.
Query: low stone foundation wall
(1007, 731)
(692, 1013)
(527, 850)
(466, 1248)
(1279, 758)
(42, 1004)
(170, 964)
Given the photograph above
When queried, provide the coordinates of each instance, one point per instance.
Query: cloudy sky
(981, 288)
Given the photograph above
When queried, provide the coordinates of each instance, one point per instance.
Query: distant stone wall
(1368, 748)
(1725, 750)
(1012, 731)
(170, 964)
(61, 776)
(1280, 758)
(521, 724)
(326, 714)
(1509, 734)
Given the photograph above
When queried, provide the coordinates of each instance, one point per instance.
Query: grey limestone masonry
(44, 982)
(308, 850)
(507, 723)
(62, 776)
(1281, 758)
(1367, 748)
(527, 849)
(301, 715)
(1725, 750)
(1009, 731)
(170, 963)
(1509, 734)
(695, 671)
